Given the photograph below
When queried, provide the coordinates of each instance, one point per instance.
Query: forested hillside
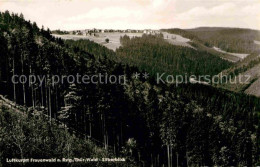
(27, 50)
(154, 54)
(147, 123)
(234, 40)
(30, 135)
(250, 66)
(229, 39)
(207, 100)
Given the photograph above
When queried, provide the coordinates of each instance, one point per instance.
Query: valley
(147, 124)
(239, 55)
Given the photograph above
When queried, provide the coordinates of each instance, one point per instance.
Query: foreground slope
(29, 134)
(248, 70)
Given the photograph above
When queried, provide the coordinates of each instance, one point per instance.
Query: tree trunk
(90, 126)
(151, 160)
(84, 121)
(50, 102)
(56, 102)
(24, 96)
(187, 158)
(171, 157)
(46, 95)
(168, 155)
(14, 83)
(32, 89)
(177, 159)
(42, 96)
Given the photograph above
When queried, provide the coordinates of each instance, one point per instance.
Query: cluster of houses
(93, 32)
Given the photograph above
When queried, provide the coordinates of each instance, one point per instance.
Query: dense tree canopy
(148, 123)
(235, 40)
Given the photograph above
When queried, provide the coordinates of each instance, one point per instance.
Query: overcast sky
(137, 14)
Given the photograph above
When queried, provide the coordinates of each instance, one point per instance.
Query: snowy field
(257, 42)
(239, 55)
(114, 39)
(176, 39)
(100, 38)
